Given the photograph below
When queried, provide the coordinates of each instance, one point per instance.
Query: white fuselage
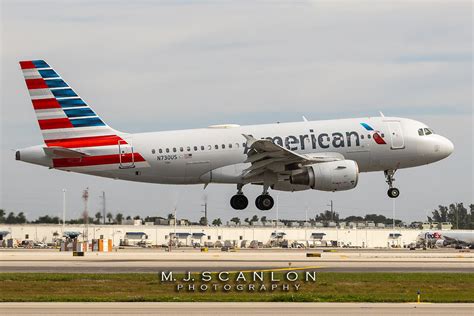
(217, 154)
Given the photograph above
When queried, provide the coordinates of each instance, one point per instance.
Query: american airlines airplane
(319, 155)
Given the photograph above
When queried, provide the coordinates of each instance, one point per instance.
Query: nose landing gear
(392, 192)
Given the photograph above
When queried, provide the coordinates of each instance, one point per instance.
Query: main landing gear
(239, 201)
(392, 192)
(263, 202)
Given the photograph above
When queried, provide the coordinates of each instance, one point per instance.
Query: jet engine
(328, 176)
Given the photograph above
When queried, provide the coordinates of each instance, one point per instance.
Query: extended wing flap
(266, 156)
(323, 157)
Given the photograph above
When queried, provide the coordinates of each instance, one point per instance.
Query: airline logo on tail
(69, 126)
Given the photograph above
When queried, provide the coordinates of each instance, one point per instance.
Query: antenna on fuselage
(381, 114)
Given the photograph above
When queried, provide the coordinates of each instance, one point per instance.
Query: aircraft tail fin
(62, 114)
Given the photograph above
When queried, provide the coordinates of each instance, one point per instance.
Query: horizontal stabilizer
(63, 152)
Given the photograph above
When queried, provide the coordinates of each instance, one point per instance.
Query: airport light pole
(277, 208)
(64, 209)
(103, 207)
(393, 214)
(175, 222)
(457, 217)
(305, 222)
(332, 210)
(205, 213)
(85, 198)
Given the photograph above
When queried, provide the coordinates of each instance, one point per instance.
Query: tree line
(455, 213)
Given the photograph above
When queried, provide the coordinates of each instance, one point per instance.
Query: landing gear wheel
(393, 193)
(239, 202)
(264, 202)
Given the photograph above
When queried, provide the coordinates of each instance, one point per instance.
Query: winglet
(305, 119)
(381, 114)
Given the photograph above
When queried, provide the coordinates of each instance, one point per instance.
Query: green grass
(329, 287)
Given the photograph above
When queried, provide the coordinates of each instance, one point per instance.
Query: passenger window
(237, 145)
(153, 151)
(230, 145)
(361, 136)
(195, 148)
(202, 147)
(188, 148)
(427, 131)
(420, 132)
(160, 150)
(209, 147)
(174, 149)
(223, 146)
(368, 136)
(216, 146)
(382, 135)
(167, 150)
(181, 149)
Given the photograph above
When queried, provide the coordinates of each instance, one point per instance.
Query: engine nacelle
(329, 176)
(287, 186)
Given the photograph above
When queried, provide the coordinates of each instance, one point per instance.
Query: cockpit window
(420, 132)
(428, 131)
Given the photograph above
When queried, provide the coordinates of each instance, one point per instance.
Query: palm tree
(254, 219)
(263, 220)
(236, 220)
(110, 217)
(247, 220)
(203, 221)
(98, 216)
(21, 219)
(119, 218)
(217, 222)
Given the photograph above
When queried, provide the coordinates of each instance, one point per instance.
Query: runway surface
(153, 261)
(235, 308)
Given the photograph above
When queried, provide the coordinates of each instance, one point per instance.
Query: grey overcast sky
(160, 65)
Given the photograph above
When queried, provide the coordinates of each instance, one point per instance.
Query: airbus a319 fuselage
(322, 155)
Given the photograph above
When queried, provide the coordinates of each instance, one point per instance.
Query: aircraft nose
(446, 146)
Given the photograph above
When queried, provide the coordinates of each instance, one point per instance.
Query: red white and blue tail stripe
(60, 111)
(68, 123)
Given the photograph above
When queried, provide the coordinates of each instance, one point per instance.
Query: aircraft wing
(266, 156)
(460, 237)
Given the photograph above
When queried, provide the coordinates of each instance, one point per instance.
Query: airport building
(213, 236)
